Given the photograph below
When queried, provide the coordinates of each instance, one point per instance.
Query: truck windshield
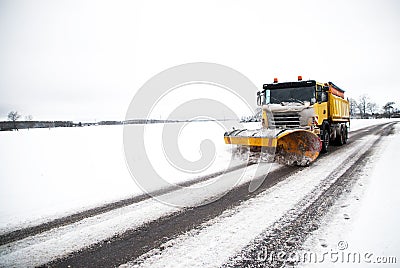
(297, 94)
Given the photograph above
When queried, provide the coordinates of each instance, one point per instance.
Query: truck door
(321, 105)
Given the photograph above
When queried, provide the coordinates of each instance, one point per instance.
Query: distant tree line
(9, 125)
(253, 118)
(14, 123)
(365, 108)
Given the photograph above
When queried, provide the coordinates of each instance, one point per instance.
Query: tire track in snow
(133, 243)
(34, 230)
(58, 242)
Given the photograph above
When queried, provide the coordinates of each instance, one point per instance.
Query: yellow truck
(299, 120)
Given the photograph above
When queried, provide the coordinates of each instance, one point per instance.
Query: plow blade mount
(291, 147)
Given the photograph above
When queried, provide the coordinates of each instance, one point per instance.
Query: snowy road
(231, 231)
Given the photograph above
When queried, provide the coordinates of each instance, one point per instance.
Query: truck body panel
(338, 109)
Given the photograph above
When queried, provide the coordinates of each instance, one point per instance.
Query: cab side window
(322, 95)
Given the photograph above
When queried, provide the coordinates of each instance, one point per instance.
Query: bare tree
(372, 107)
(353, 106)
(362, 105)
(388, 107)
(14, 116)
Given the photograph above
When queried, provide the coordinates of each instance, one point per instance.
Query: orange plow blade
(297, 147)
(290, 147)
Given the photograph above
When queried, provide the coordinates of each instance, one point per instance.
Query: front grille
(286, 120)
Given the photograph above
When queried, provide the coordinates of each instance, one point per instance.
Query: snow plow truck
(299, 120)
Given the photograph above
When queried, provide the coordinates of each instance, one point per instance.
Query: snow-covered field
(356, 124)
(48, 173)
(51, 173)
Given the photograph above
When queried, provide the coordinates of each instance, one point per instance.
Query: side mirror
(259, 98)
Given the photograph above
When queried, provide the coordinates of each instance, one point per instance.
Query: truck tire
(340, 138)
(325, 140)
(345, 135)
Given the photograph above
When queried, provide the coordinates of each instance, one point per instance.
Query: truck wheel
(345, 135)
(325, 140)
(340, 138)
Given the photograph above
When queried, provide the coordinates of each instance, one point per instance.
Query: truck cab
(309, 105)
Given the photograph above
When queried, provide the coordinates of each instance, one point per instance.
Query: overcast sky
(84, 60)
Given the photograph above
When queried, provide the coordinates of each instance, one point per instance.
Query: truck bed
(338, 108)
